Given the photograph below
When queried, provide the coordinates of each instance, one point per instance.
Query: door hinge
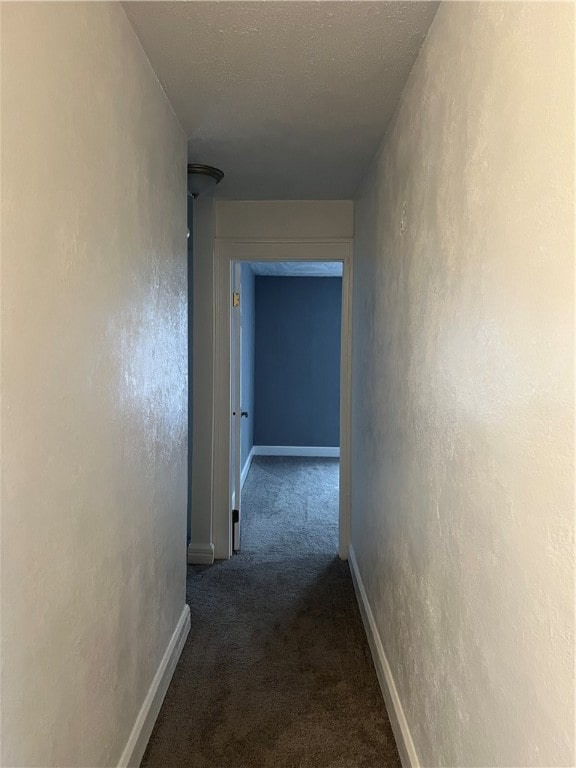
(236, 299)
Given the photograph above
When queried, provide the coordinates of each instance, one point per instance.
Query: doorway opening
(227, 253)
(285, 370)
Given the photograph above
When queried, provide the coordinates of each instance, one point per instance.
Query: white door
(236, 403)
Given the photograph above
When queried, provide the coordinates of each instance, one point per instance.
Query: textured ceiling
(297, 268)
(290, 99)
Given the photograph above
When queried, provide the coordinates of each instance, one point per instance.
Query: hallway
(276, 670)
(429, 148)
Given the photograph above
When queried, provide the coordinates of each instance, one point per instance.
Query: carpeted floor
(276, 671)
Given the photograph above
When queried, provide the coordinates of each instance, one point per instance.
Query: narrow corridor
(276, 670)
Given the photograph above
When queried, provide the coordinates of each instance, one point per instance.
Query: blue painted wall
(247, 380)
(297, 361)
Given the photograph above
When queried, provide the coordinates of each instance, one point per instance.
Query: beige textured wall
(462, 444)
(93, 291)
(201, 548)
(284, 219)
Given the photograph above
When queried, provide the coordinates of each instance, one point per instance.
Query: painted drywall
(247, 377)
(284, 219)
(94, 369)
(200, 525)
(190, 335)
(297, 361)
(462, 437)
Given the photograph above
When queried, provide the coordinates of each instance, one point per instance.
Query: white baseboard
(404, 741)
(295, 450)
(246, 467)
(200, 554)
(140, 735)
(243, 475)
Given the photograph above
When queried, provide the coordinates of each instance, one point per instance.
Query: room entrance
(232, 455)
(285, 379)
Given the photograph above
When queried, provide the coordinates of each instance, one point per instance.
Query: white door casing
(236, 414)
(226, 253)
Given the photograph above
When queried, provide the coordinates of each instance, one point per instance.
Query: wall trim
(243, 475)
(404, 741)
(295, 450)
(282, 241)
(200, 554)
(246, 467)
(140, 735)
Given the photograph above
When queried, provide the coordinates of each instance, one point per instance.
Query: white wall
(93, 381)
(462, 440)
(284, 219)
(201, 547)
(253, 221)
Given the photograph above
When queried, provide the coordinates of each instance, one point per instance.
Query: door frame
(226, 252)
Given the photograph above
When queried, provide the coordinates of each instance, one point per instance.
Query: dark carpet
(276, 671)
